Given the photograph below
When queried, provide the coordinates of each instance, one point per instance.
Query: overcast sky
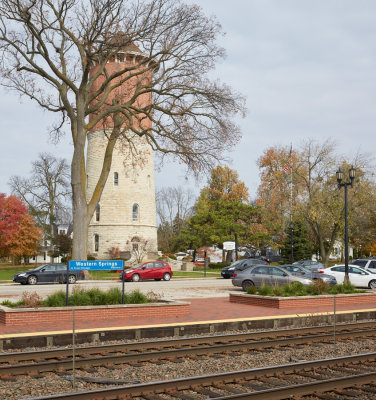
(307, 69)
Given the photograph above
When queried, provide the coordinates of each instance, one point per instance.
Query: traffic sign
(228, 245)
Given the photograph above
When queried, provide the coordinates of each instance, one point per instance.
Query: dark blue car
(48, 273)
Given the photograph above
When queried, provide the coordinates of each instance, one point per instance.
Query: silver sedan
(266, 275)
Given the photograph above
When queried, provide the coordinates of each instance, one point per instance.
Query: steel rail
(233, 377)
(160, 354)
(168, 343)
(304, 388)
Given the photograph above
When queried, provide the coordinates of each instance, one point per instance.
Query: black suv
(241, 265)
(366, 263)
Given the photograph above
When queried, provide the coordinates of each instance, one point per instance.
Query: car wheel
(72, 279)
(247, 284)
(166, 276)
(32, 280)
(372, 284)
(135, 278)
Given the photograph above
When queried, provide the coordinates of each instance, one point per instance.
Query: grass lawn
(8, 271)
(195, 274)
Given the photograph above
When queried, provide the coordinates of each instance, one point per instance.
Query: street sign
(96, 265)
(228, 245)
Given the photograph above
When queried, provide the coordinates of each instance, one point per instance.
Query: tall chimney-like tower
(125, 217)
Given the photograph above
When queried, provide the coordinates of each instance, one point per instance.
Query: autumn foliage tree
(221, 211)
(19, 236)
(315, 199)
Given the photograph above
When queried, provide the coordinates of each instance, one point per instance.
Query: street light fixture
(340, 176)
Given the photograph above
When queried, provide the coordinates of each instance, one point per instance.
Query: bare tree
(46, 192)
(140, 248)
(174, 202)
(57, 52)
(174, 207)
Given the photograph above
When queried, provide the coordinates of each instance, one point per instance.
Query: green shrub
(90, 257)
(252, 290)
(265, 290)
(298, 289)
(114, 296)
(57, 299)
(79, 297)
(136, 297)
(218, 265)
(277, 291)
(313, 290)
(8, 303)
(82, 297)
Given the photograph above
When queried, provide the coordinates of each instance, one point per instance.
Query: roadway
(178, 288)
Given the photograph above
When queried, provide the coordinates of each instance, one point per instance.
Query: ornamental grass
(298, 289)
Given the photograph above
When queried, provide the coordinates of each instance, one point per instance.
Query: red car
(156, 270)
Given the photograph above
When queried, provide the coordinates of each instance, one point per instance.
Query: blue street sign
(96, 265)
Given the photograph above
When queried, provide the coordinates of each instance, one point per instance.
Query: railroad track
(32, 362)
(348, 377)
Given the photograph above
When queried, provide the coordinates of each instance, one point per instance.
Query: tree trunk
(80, 226)
(79, 205)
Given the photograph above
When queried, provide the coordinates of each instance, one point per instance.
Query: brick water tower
(125, 217)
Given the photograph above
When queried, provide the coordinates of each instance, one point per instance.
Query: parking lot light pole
(292, 241)
(340, 176)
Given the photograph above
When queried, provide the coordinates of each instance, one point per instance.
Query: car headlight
(127, 272)
(22, 274)
(230, 269)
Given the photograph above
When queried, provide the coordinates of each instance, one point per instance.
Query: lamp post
(292, 241)
(340, 176)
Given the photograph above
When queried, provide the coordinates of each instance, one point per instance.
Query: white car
(357, 276)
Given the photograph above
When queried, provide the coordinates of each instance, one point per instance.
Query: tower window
(116, 179)
(97, 212)
(96, 242)
(135, 212)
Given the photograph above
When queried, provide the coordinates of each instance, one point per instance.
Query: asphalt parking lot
(184, 288)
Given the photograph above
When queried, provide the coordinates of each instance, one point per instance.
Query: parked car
(199, 262)
(180, 256)
(298, 269)
(156, 270)
(357, 276)
(241, 265)
(266, 275)
(48, 273)
(312, 265)
(366, 263)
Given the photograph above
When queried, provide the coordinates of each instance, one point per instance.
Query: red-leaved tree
(19, 236)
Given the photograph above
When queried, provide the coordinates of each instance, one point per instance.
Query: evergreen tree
(303, 247)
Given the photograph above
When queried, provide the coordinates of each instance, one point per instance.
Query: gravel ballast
(50, 383)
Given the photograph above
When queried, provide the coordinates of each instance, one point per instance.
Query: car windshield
(234, 264)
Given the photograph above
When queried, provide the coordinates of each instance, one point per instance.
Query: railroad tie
(209, 393)
(324, 396)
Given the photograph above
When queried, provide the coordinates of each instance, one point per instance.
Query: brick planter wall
(24, 316)
(368, 299)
